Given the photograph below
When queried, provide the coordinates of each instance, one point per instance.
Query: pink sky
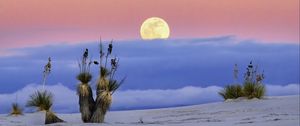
(38, 22)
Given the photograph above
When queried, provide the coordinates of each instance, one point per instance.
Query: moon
(155, 28)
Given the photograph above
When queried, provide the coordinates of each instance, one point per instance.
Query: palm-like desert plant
(84, 91)
(16, 110)
(232, 92)
(94, 111)
(106, 85)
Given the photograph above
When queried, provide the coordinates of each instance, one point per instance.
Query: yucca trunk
(86, 101)
(52, 118)
(103, 103)
(103, 100)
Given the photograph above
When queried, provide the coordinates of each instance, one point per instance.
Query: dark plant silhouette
(84, 91)
(94, 110)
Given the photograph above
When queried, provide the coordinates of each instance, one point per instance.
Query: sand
(271, 111)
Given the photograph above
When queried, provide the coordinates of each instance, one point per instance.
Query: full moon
(155, 28)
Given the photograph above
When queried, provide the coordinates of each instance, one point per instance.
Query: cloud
(66, 100)
(63, 98)
(153, 98)
(278, 90)
(157, 64)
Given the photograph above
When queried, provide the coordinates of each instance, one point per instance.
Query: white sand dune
(271, 111)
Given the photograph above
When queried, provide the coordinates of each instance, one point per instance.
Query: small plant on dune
(94, 110)
(43, 100)
(232, 92)
(16, 110)
(252, 87)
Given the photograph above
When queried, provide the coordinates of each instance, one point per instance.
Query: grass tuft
(253, 90)
(232, 92)
(16, 110)
(43, 100)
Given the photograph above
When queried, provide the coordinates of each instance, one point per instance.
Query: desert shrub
(232, 92)
(16, 110)
(252, 87)
(253, 90)
(41, 99)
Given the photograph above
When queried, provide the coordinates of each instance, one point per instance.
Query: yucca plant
(84, 91)
(106, 85)
(232, 92)
(252, 87)
(253, 90)
(94, 110)
(43, 100)
(16, 110)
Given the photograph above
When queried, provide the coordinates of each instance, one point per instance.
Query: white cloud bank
(66, 100)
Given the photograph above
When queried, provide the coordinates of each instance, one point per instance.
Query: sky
(206, 39)
(35, 22)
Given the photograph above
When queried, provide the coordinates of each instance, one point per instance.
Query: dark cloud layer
(157, 64)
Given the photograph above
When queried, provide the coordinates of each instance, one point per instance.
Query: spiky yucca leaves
(16, 110)
(41, 99)
(253, 90)
(84, 77)
(232, 92)
(114, 85)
